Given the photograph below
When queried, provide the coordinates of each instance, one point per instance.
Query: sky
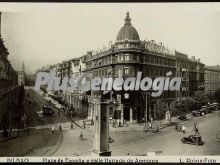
(41, 34)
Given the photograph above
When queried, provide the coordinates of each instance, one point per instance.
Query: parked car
(182, 117)
(208, 109)
(203, 110)
(214, 106)
(193, 139)
(47, 110)
(196, 113)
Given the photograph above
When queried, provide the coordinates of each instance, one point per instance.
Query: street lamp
(126, 95)
(146, 94)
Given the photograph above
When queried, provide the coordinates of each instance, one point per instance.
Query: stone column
(101, 136)
(155, 111)
(122, 113)
(149, 112)
(131, 115)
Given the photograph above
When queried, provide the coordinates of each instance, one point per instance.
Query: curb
(9, 138)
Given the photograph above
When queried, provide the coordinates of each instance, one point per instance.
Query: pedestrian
(176, 127)
(92, 122)
(84, 124)
(124, 122)
(53, 130)
(195, 128)
(203, 114)
(81, 135)
(71, 125)
(119, 125)
(145, 126)
(184, 129)
(60, 127)
(114, 124)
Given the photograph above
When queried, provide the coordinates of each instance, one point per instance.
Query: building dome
(127, 32)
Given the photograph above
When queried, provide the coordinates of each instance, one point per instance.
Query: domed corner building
(128, 32)
(125, 58)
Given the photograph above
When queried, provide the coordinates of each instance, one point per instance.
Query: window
(122, 57)
(118, 58)
(134, 57)
(116, 72)
(146, 58)
(137, 57)
(126, 70)
(127, 57)
(153, 60)
(162, 61)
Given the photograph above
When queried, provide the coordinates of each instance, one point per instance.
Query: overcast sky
(41, 34)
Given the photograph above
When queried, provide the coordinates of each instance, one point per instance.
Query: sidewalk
(130, 128)
(14, 134)
(136, 127)
(19, 132)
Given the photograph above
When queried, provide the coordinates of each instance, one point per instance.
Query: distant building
(212, 79)
(69, 68)
(21, 75)
(21, 78)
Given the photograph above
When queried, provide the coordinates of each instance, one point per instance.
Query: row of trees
(184, 106)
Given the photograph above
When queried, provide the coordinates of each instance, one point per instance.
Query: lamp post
(146, 114)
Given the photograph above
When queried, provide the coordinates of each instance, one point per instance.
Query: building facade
(130, 55)
(9, 91)
(124, 58)
(212, 79)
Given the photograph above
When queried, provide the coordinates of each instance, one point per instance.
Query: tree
(173, 108)
(201, 99)
(161, 109)
(217, 96)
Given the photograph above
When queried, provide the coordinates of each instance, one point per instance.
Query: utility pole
(146, 109)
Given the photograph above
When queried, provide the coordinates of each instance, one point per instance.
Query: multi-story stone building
(70, 68)
(192, 72)
(76, 68)
(21, 78)
(125, 58)
(21, 75)
(196, 76)
(9, 91)
(212, 79)
(182, 70)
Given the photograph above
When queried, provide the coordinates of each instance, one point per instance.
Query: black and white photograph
(109, 79)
